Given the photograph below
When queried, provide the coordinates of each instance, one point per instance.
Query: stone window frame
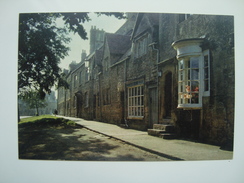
(86, 96)
(141, 45)
(87, 74)
(135, 101)
(80, 78)
(75, 80)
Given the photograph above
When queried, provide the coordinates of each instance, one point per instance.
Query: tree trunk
(37, 111)
(18, 114)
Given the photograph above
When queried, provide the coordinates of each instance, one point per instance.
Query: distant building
(175, 69)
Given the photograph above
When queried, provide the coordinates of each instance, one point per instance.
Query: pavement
(173, 149)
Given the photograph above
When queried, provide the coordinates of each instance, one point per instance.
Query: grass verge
(46, 120)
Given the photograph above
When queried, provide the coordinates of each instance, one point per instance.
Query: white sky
(107, 23)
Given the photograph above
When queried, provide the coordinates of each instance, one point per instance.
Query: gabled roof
(118, 44)
(140, 26)
(127, 27)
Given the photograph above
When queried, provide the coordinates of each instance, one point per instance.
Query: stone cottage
(174, 69)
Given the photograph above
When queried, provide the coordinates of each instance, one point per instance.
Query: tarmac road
(77, 144)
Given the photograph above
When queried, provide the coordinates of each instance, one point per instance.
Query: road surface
(57, 143)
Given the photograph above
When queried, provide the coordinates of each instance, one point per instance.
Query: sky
(108, 24)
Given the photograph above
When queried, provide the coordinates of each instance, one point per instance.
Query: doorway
(153, 112)
(168, 95)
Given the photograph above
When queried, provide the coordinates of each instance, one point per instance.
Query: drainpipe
(125, 78)
(157, 94)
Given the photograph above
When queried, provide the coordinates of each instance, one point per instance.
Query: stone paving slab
(173, 149)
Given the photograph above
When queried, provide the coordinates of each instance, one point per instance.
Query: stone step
(155, 132)
(161, 133)
(168, 135)
(164, 127)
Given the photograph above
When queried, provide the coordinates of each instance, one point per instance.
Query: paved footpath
(172, 149)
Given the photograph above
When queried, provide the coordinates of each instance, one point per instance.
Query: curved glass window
(189, 82)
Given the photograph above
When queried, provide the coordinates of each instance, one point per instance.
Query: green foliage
(45, 121)
(33, 99)
(42, 45)
(36, 118)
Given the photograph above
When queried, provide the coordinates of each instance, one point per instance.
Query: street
(77, 143)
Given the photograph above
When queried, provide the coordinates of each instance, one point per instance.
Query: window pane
(181, 75)
(194, 86)
(205, 73)
(206, 61)
(181, 64)
(194, 74)
(188, 74)
(194, 99)
(187, 64)
(188, 87)
(194, 62)
(206, 85)
(181, 88)
(139, 111)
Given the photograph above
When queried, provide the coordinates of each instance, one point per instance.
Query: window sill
(135, 117)
(189, 107)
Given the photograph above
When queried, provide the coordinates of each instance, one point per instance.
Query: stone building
(174, 69)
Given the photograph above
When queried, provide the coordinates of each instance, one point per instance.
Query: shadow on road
(73, 143)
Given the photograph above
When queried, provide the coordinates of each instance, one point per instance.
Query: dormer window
(193, 73)
(141, 46)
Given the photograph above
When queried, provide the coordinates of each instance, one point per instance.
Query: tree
(33, 99)
(42, 45)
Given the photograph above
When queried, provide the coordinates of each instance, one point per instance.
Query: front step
(164, 127)
(168, 136)
(164, 131)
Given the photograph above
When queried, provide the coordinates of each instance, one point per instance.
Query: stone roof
(144, 22)
(118, 44)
